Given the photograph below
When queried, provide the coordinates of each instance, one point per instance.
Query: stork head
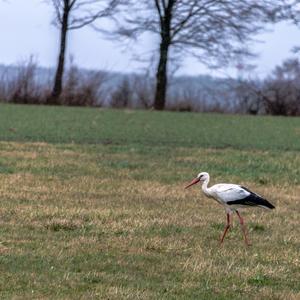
(201, 177)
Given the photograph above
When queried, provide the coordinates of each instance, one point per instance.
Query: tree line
(276, 94)
(217, 32)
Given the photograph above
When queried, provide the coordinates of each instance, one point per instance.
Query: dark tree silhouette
(215, 31)
(277, 94)
(280, 92)
(71, 15)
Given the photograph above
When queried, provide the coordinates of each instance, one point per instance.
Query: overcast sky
(25, 29)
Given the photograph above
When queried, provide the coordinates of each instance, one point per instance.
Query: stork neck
(205, 188)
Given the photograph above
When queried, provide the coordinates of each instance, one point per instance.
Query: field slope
(93, 205)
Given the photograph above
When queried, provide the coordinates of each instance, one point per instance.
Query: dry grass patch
(100, 222)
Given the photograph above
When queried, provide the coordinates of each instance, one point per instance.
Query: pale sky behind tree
(26, 29)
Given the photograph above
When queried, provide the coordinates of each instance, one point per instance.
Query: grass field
(93, 205)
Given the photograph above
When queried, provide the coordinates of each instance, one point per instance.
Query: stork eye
(200, 176)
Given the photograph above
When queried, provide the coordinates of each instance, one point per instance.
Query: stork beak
(196, 180)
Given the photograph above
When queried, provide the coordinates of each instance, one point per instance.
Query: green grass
(95, 126)
(93, 205)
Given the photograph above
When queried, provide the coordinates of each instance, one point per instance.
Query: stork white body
(233, 197)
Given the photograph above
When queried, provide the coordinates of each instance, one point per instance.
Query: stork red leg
(243, 228)
(226, 228)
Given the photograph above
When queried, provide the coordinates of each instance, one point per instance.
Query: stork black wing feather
(252, 200)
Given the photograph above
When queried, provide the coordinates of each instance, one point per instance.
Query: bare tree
(122, 96)
(248, 94)
(24, 87)
(290, 11)
(215, 31)
(83, 87)
(281, 92)
(71, 15)
(278, 94)
(143, 86)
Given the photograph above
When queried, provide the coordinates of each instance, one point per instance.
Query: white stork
(233, 197)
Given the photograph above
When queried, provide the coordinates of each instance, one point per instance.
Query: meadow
(93, 205)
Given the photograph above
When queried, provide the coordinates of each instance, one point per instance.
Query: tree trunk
(161, 77)
(58, 81)
(162, 68)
